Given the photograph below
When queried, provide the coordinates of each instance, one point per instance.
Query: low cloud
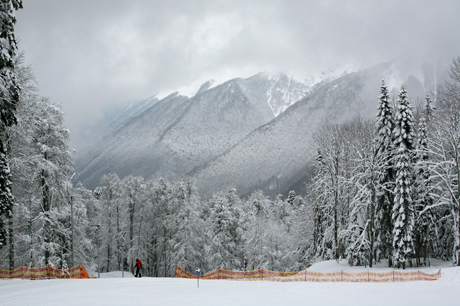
(88, 55)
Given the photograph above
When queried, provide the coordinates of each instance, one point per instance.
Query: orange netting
(311, 276)
(45, 273)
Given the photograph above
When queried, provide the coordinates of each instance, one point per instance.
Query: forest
(384, 189)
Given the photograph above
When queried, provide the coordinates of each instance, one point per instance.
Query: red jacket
(138, 263)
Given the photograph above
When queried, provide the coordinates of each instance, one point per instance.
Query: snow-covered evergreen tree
(6, 197)
(425, 219)
(403, 214)
(9, 86)
(384, 140)
(9, 98)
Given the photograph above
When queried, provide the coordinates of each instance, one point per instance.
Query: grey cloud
(91, 54)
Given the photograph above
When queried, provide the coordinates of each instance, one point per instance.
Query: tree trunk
(46, 210)
(109, 230)
(11, 240)
(118, 239)
(458, 200)
(371, 225)
(131, 230)
(336, 206)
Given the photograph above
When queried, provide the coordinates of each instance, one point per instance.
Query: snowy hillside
(248, 132)
(277, 154)
(178, 133)
(115, 118)
(170, 291)
(275, 157)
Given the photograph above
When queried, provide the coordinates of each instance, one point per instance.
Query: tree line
(388, 189)
(383, 189)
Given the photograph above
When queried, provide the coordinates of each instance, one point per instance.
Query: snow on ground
(116, 274)
(112, 289)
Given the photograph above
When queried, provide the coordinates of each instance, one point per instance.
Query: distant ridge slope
(231, 134)
(275, 156)
(177, 134)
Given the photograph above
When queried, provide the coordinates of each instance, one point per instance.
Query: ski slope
(111, 289)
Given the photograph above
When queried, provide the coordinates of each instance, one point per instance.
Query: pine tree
(384, 141)
(6, 197)
(403, 214)
(9, 98)
(425, 227)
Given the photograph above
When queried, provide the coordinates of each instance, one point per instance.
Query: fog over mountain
(94, 56)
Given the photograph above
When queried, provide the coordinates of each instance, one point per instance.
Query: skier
(138, 267)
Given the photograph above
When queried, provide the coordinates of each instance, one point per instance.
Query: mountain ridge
(177, 133)
(228, 134)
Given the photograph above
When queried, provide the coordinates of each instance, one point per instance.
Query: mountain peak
(206, 85)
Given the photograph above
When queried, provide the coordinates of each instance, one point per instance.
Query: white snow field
(111, 289)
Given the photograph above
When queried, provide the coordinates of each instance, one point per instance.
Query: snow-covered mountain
(250, 133)
(178, 133)
(276, 156)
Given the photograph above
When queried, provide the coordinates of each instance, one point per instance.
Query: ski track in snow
(114, 290)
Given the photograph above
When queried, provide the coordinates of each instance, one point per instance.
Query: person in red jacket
(138, 267)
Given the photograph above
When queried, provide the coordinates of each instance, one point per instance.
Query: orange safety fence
(44, 273)
(311, 276)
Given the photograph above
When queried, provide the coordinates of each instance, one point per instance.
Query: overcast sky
(87, 54)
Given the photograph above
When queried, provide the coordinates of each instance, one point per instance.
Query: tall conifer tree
(403, 214)
(384, 137)
(9, 98)
(424, 230)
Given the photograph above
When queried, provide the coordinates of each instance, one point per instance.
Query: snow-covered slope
(94, 135)
(177, 134)
(276, 155)
(250, 133)
(172, 291)
(132, 146)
